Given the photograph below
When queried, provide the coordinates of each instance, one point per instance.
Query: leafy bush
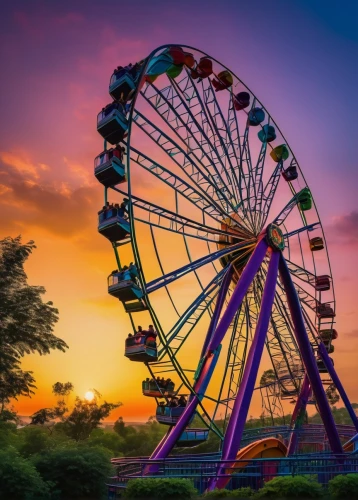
(34, 440)
(75, 472)
(239, 493)
(290, 487)
(19, 480)
(161, 488)
(344, 487)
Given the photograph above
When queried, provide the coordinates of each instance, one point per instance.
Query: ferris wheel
(218, 243)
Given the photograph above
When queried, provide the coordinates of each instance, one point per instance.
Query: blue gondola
(113, 223)
(290, 174)
(112, 123)
(122, 83)
(109, 167)
(136, 349)
(256, 116)
(167, 415)
(192, 437)
(267, 133)
(123, 286)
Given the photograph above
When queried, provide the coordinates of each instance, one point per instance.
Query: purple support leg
(298, 415)
(248, 274)
(335, 379)
(309, 359)
(218, 307)
(240, 410)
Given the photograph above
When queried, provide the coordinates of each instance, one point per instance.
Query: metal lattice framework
(203, 183)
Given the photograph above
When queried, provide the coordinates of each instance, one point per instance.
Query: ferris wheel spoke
(269, 193)
(171, 221)
(162, 270)
(193, 314)
(309, 227)
(171, 106)
(179, 185)
(301, 273)
(178, 273)
(187, 89)
(221, 135)
(202, 181)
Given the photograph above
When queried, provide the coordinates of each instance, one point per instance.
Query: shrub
(78, 472)
(344, 487)
(290, 487)
(19, 480)
(148, 489)
(239, 493)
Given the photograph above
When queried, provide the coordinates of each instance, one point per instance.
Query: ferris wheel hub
(274, 237)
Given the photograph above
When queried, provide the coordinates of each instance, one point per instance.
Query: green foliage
(26, 321)
(85, 417)
(142, 441)
(8, 435)
(239, 493)
(176, 489)
(62, 389)
(19, 480)
(34, 440)
(290, 487)
(109, 440)
(78, 472)
(344, 487)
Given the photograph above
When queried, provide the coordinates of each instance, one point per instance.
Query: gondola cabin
(325, 311)
(122, 286)
(304, 199)
(109, 167)
(192, 437)
(280, 153)
(316, 244)
(329, 347)
(321, 365)
(256, 116)
(112, 123)
(322, 283)
(328, 334)
(153, 389)
(169, 415)
(290, 174)
(267, 134)
(136, 349)
(121, 85)
(241, 100)
(112, 224)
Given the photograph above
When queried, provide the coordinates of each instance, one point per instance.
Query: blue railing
(241, 473)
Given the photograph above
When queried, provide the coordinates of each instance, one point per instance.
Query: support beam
(240, 410)
(298, 415)
(335, 379)
(212, 351)
(309, 359)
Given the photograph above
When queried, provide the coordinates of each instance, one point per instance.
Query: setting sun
(89, 396)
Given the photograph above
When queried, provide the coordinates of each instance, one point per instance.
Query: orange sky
(48, 192)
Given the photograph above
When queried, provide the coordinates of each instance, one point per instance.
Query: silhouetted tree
(26, 321)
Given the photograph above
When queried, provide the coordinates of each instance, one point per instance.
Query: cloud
(344, 229)
(21, 165)
(60, 210)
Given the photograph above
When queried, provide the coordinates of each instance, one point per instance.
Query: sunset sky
(299, 58)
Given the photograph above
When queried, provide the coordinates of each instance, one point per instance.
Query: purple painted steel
(248, 274)
(298, 415)
(218, 307)
(308, 358)
(335, 379)
(237, 297)
(240, 410)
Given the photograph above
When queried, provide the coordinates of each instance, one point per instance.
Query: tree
(19, 478)
(26, 321)
(86, 416)
(78, 472)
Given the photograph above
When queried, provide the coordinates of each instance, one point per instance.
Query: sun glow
(89, 396)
